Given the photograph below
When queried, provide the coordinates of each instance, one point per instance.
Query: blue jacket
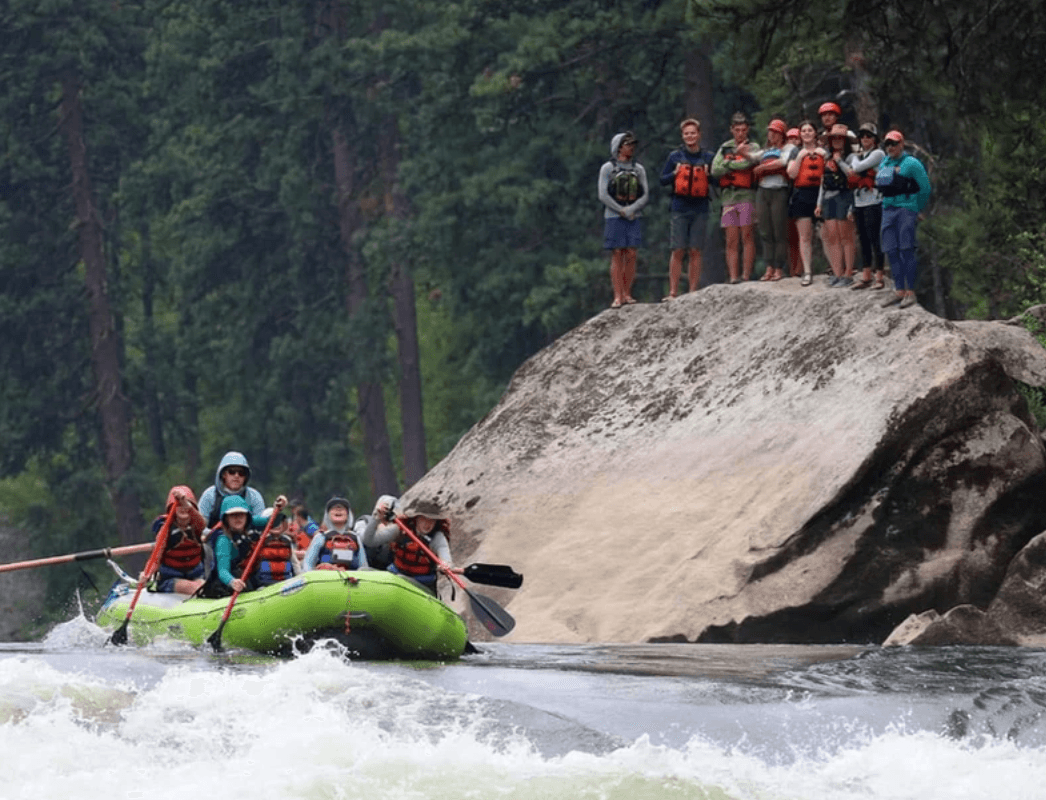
(211, 499)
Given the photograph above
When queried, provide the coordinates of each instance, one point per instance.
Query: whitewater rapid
(80, 719)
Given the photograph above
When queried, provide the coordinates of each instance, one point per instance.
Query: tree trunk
(106, 345)
(405, 321)
(866, 105)
(370, 397)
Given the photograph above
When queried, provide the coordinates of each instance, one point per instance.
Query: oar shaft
(87, 555)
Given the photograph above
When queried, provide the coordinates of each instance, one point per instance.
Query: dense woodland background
(325, 233)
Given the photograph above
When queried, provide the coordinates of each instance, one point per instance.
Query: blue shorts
(619, 233)
(166, 577)
(898, 229)
(687, 230)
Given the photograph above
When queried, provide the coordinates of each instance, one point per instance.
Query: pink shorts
(738, 215)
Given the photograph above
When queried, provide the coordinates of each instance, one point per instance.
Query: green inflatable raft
(375, 614)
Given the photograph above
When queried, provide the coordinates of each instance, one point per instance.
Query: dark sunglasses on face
(237, 471)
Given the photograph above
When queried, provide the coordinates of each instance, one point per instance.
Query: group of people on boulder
(209, 543)
(861, 191)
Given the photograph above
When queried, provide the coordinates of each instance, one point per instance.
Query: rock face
(754, 463)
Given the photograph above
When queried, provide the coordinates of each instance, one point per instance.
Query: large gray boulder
(754, 463)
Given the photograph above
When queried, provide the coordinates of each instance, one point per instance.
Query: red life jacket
(184, 551)
(408, 556)
(274, 559)
(738, 178)
(811, 170)
(691, 180)
(862, 180)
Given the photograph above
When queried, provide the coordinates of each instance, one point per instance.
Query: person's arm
(255, 501)
(604, 189)
(312, 555)
(441, 547)
(357, 529)
(719, 163)
(379, 533)
(918, 171)
(207, 502)
(794, 159)
(870, 161)
(668, 174)
(223, 560)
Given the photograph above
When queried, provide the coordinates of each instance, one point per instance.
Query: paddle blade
(494, 575)
(492, 616)
(215, 639)
(119, 637)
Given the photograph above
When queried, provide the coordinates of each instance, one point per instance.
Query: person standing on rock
(771, 200)
(868, 207)
(623, 190)
(686, 171)
(805, 169)
(905, 187)
(734, 167)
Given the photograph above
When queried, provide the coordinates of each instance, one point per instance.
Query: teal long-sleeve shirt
(910, 167)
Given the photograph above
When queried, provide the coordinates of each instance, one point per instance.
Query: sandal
(879, 284)
(768, 275)
(616, 304)
(668, 298)
(860, 285)
(631, 301)
(807, 279)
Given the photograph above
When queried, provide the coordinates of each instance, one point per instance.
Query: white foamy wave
(318, 727)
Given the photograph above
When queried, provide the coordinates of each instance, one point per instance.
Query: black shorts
(802, 202)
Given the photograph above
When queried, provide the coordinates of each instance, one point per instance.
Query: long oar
(87, 555)
(215, 639)
(493, 575)
(494, 618)
(119, 636)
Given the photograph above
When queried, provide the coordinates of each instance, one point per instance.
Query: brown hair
(689, 121)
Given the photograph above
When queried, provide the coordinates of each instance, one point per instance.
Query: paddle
(494, 618)
(119, 636)
(87, 555)
(493, 575)
(215, 639)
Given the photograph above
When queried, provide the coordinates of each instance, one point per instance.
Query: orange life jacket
(408, 556)
(691, 180)
(274, 560)
(862, 180)
(738, 178)
(184, 551)
(811, 169)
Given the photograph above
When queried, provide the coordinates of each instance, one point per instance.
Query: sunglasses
(892, 142)
(237, 471)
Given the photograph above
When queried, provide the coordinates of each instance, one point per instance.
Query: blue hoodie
(210, 500)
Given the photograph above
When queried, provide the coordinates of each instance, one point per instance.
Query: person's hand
(281, 501)
(817, 211)
(238, 585)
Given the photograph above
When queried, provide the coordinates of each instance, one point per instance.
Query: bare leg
(849, 246)
(675, 269)
(733, 236)
(629, 272)
(694, 274)
(805, 228)
(617, 272)
(748, 241)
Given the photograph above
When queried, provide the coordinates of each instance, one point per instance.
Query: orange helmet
(779, 126)
(829, 107)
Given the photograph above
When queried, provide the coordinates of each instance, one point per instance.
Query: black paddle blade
(215, 639)
(493, 617)
(494, 575)
(119, 637)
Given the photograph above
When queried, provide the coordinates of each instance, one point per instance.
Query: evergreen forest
(325, 233)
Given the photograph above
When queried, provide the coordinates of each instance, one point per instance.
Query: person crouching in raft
(408, 558)
(335, 545)
(182, 564)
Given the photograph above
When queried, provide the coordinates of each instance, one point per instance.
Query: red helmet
(793, 133)
(829, 106)
(778, 125)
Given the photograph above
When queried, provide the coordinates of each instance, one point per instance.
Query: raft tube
(375, 614)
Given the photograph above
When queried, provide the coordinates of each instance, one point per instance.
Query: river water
(82, 719)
